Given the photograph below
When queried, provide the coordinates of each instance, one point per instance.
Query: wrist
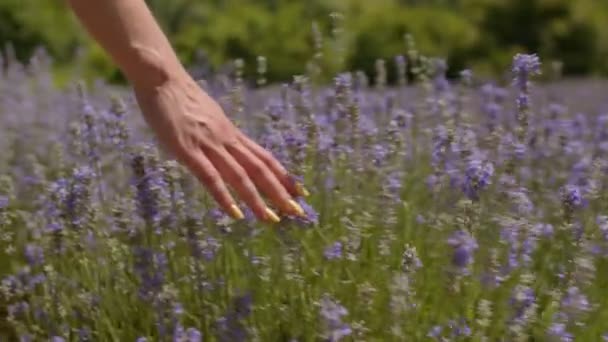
(151, 68)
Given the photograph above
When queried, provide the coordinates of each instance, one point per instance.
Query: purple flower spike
(334, 251)
(464, 245)
(525, 65)
(558, 332)
(332, 313)
(3, 202)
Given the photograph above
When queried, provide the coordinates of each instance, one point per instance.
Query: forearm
(127, 30)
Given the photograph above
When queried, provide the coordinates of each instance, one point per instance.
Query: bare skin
(189, 123)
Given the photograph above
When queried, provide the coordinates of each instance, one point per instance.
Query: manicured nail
(272, 216)
(297, 208)
(302, 190)
(236, 213)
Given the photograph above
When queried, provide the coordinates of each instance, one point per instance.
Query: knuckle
(209, 178)
(241, 180)
(276, 165)
(185, 143)
(258, 170)
(231, 142)
(266, 155)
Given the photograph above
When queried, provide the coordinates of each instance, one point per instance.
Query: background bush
(480, 34)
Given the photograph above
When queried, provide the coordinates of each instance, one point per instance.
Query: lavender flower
(466, 76)
(459, 328)
(440, 82)
(34, 255)
(524, 66)
(402, 298)
(117, 130)
(194, 335)
(456, 329)
(188, 335)
(409, 259)
(522, 301)
(572, 197)
(521, 203)
(3, 202)
(150, 267)
(79, 196)
(602, 223)
(312, 216)
(575, 302)
(464, 245)
(334, 329)
(435, 332)
(334, 251)
(558, 332)
(401, 63)
(26, 338)
(477, 177)
(231, 327)
(152, 196)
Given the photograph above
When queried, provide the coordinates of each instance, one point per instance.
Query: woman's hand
(195, 129)
(188, 122)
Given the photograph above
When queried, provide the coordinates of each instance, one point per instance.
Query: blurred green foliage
(479, 34)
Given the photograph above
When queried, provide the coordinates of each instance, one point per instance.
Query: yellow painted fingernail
(236, 212)
(302, 190)
(297, 208)
(272, 216)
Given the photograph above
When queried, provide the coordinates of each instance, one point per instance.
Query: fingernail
(302, 190)
(272, 216)
(297, 208)
(236, 212)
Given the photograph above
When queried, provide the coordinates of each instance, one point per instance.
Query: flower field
(440, 210)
